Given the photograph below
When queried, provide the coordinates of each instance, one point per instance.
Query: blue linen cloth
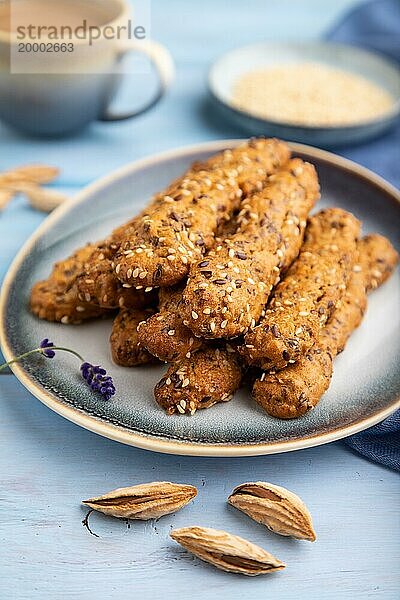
(376, 25)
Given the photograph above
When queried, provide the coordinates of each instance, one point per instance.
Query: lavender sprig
(98, 380)
(94, 375)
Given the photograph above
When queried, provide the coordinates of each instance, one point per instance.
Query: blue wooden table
(48, 465)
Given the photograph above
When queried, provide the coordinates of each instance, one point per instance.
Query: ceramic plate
(377, 68)
(366, 383)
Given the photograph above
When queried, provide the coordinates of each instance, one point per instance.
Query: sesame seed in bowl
(319, 93)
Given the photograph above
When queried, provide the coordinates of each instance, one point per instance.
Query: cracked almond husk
(275, 507)
(226, 551)
(41, 198)
(144, 501)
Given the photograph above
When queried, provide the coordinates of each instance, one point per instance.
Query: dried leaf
(226, 551)
(30, 174)
(275, 507)
(145, 501)
(43, 199)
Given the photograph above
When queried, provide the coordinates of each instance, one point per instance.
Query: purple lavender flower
(45, 345)
(94, 375)
(98, 380)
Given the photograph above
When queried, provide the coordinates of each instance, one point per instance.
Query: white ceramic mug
(53, 98)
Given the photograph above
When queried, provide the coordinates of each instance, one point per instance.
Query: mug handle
(162, 60)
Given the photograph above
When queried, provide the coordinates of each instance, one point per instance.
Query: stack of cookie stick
(295, 390)
(182, 223)
(95, 285)
(231, 284)
(222, 271)
(318, 275)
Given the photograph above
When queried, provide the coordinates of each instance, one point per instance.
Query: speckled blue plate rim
(154, 441)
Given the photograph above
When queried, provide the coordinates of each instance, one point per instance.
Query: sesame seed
(185, 382)
(129, 273)
(207, 311)
(224, 324)
(304, 313)
(148, 289)
(64, 320)
(231, 253)
(184, 260)
(212, 326)
(263, 376)
(251, 280)
(87, 297)
(171, 332)
(80, 308)
(168, 381)
(183, 403)
(180, 409)
(188, 354)
(171, 257)
(194, 315)
(142, 275)
(138, 287)
(126, 285)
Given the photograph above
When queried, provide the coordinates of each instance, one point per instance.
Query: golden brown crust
(182, 222)
(304, 300)
(56, 298)
(99, 285)
(297, 389)
(126, 349)
(229, 287)
(211, 375)
(164, 334)
(379, 259)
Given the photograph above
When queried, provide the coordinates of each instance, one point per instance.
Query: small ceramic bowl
(378, 69)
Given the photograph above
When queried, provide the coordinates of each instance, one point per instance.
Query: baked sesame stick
(241, 272)
(313, 285)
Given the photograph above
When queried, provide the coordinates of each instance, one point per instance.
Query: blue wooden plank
(49, 465)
